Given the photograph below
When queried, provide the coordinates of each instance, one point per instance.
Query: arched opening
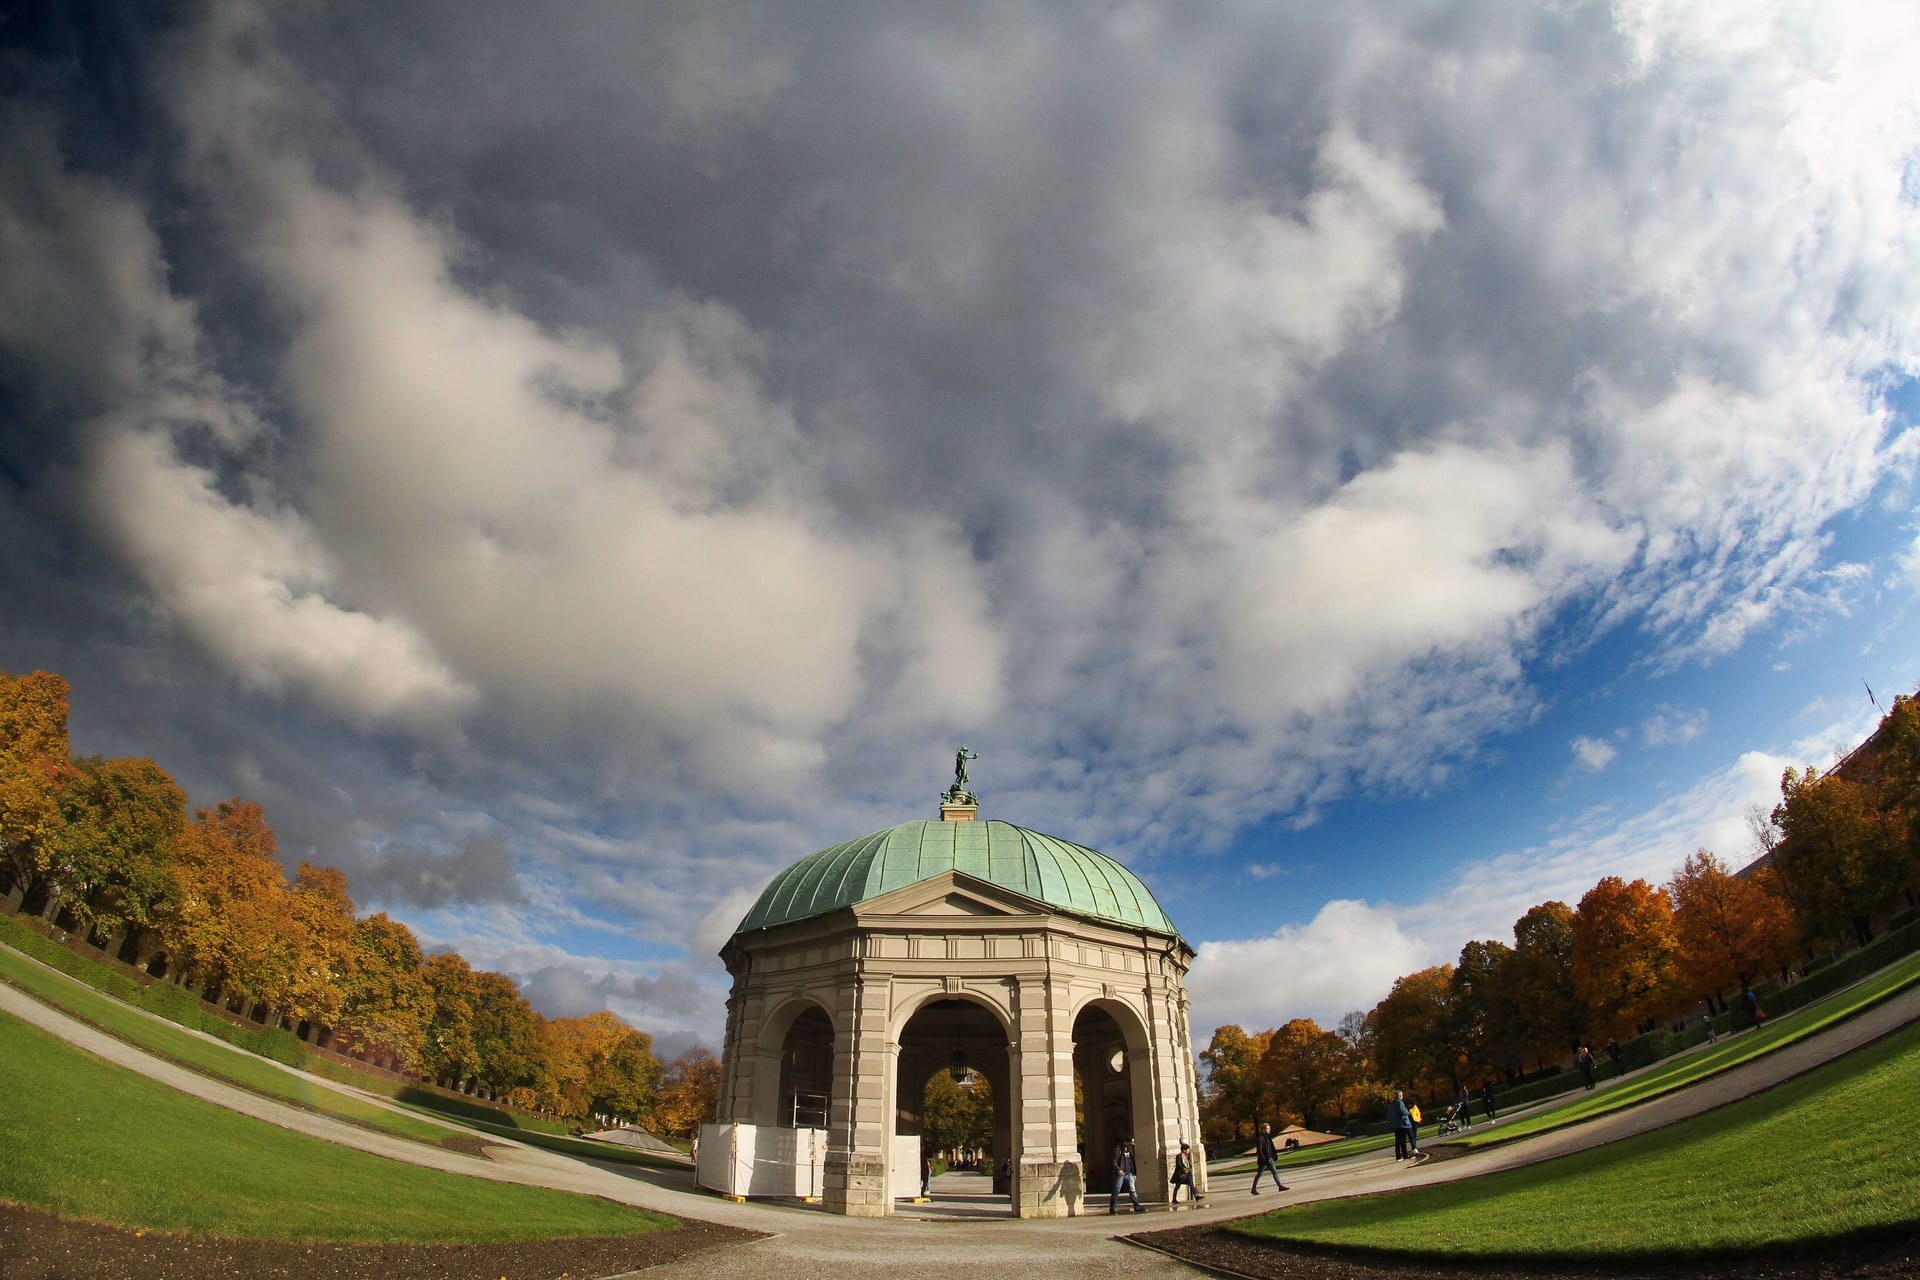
(953, 1099)
(1107, 1096)
(805, 1098)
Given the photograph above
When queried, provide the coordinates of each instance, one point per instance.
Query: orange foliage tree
(1230, 1098)
(231, 918)
(1306, 1071)
(35, 762)
(597, 1066)
(1728, 928)
(689, 1094)
(1623, 952)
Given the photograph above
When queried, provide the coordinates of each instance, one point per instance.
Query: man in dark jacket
(1264, 1153)
(1126, 1172)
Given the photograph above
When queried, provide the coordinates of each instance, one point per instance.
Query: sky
(1370, 468)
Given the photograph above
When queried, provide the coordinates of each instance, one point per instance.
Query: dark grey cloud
(480, 870)
(567, 991)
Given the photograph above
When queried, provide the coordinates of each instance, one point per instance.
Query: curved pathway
(855, 1249)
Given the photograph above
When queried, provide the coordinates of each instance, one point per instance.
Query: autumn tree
(1899, 783)
(597, 1065)
(1728, 928)
(957, 1117)
(1623, 952)
(1489, 1028)
(1363, 1089)
(123, 821)
(386, 1005)
(1412, 1030)
(689, 1094)
(1230, 1098)
(1540, 981)
(449, 1055)
(35, 762)
(506, 1045)
(321, 948)
(1305, 1070)
(231, 918)
(1841, 855)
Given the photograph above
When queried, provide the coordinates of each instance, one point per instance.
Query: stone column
(859, 1126)
(1049, 1183)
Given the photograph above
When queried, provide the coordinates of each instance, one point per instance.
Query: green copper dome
(1062, 874)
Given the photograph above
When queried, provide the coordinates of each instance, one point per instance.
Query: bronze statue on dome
(958, 793)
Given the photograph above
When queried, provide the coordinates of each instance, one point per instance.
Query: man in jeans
(1263, 1152)
(1125, 1174)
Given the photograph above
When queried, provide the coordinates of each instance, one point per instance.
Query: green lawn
(210, 1058)
(1685, 1069)
(87, 1139)
(1824, 1155)
(1662, 1078)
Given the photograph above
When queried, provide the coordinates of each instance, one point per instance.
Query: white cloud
(1670, 726)
(1593, 754)
(250, 584)
(1349, 955)
(1345, 958)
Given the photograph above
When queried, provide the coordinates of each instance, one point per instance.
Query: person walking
(1713, 1037)
(1406, 1141)
(1584, 1060)
(1486, 1100)
(1183, 1177)
(1267, 1158)
(1126, 1175)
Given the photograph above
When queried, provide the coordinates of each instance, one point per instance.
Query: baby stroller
(1456, 1117)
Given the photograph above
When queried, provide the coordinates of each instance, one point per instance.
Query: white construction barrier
(742, 1160)
(905, 1179)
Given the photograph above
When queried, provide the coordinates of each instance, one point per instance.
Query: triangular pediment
(951, 893)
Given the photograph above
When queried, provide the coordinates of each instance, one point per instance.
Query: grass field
(1686, 1069)
(87, 1139)
(1661, 1078)
(210, 1058)
(1827, 1154)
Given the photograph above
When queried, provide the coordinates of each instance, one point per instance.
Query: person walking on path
(1406, 1140)
(1584, 1060)
(1268, 1160)
(1754, 1011)
(1183, 1177)
(1486, 1100)
(1126, 1171)
(1713, 1037)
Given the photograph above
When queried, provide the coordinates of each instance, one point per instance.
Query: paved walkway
(932, 1238)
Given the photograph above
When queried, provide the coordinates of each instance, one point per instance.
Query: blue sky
(1369, 469)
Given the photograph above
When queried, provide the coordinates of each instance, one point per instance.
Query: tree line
(108, 849)
(1840, 851)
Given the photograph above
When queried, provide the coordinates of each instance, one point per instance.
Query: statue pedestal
(959, 810)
